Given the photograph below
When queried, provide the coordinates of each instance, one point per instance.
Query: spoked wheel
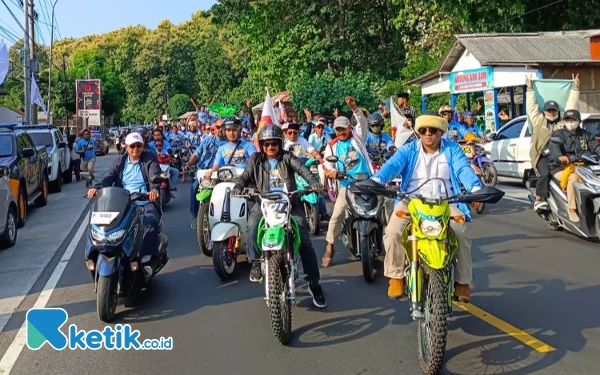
(203, 230)
(279, 304)
(489, 174)
(314, 221)
(224, 262)
(432, 331)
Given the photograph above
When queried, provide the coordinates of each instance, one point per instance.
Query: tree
(179, 104)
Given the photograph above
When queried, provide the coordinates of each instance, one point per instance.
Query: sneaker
(194, 223)
(317, 294)
(325, 218)
(540, 206)
(256, 272)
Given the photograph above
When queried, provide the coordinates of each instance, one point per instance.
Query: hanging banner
(88, 100)
(3, 61)
(481, 79)
(489, 108)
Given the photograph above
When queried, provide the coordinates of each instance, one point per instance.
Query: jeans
(322, 206)
(76, 168)
(307, 251)
(194, 204)
(151, 219)
(173, 176)
(542, 188)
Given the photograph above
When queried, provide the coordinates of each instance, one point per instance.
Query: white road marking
(14, 350)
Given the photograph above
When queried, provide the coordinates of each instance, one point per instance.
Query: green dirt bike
(204, 192)
(279, 244)
(431, 248)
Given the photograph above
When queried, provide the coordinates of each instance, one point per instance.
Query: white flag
(3, 61)
(402, 134)
(36, 98)
(268, 115)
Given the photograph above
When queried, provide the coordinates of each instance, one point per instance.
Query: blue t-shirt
(166, 145)
(346, 151)
(473, 129)
(374, 141)
(207, 151)
(456, 131)
(203, 116)
(275, 181)
(89, 148)
(193, 137)
(243, 151)
(176, 137)
(329, 131)
(318, 142)
(133, 179)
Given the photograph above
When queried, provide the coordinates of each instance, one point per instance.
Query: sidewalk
(45, 231)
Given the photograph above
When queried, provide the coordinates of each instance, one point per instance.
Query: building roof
(518, 49)
(284, 96)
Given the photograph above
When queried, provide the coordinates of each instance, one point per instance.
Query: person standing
(75, 158)
(86, 148)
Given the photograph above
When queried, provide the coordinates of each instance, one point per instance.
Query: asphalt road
(528, 280)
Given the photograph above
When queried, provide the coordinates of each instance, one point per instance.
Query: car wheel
(9, 237)
(42, 200)
(22, 207)
(56, 186)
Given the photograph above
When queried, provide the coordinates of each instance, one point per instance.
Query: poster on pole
(89, 100)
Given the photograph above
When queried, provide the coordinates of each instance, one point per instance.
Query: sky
(77, 18)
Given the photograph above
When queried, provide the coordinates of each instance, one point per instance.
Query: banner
(3, 61)
(489, 109)
(88, 100)
(36, 97)
(551, 89)
(220, 110)
(481, 79)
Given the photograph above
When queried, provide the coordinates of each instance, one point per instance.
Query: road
(528, 281)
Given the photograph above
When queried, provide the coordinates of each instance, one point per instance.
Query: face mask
(572, 125)
(551, 118)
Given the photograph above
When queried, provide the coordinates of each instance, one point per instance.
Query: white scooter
(228, 218)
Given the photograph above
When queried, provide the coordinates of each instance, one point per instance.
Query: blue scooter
(310, 201)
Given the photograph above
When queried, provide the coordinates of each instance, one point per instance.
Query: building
(10, 116)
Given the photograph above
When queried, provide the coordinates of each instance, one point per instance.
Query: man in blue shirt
(319, 138)
(377, 140)
(471, 127)
(430, 167)
(86, 147)
(157, 135)
(133, 171)
(455, 129)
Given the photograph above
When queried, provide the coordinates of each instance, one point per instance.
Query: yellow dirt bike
(431, 248)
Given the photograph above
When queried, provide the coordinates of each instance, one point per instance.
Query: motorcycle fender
(310, 198)
(483, 160)
(204, 195)
(364, 227)
(273, 239)
(434, 253)
(107, 266)
(223, 231)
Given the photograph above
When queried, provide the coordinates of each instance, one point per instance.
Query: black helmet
(375, 121)
(232, 122)
(572, 114)
(268, 132)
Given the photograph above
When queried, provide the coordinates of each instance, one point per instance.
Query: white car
(8, 211)
(59, 155)
(509, 150)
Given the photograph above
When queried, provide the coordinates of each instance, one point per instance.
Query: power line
(531, 11)
(9, 35)
(14, 17)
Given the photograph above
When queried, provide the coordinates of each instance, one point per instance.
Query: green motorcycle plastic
(274, 238)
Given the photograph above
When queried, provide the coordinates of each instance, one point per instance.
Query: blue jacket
(405, 159)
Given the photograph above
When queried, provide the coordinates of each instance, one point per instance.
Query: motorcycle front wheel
(312, 216)
(432, 331)
(203, 230)
(489, 174)
(279, 304)
(367, 256)
(224, 263)
(107, 297)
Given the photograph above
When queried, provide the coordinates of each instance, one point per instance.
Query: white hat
(133, 138)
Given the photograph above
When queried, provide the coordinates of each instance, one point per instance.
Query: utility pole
(26, 62)
(65, 85)
(33, 62)
(50, 64)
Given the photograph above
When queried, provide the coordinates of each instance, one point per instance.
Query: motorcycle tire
(279, 305)
(366, 257)
(489, 170)
(165, 196)
(203, 230)
(432, 330)
(225, 266)
(314, 220)
(107, 297)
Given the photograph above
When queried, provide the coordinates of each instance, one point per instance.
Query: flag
(268, 115)
(221, 110)
(551, 89)
(36, 98)
(3, 61)
(401, 134)
(282, 111)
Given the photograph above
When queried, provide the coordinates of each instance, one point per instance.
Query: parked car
(27, 163)
(102, 145)
(8, 211)
(509, 149)
(59, 156)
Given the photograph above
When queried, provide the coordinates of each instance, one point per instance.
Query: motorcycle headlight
(274, 214)
(359, 208)
(431, 228)
(225, 175)
(206, 183)
(112, 238)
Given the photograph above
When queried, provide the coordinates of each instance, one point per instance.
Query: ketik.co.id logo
(43, 325)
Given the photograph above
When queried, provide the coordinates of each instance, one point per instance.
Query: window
(42, 139)
(592, 125)
(21, 143)
(6, 145)
(512, 131)
(27, 142)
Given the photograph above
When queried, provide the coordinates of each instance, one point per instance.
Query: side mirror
(487, 194)
(158, 179)
(493, 136)
(62, 144)
(332, 159)
(28, 152)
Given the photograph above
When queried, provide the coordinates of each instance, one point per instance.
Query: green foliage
(179, 104)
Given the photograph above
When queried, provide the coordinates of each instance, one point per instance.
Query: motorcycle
(227, 218)
(587, 168)
(279, 244)
(165, 187)
(310, 201)
(113, 255)
(203, 195)
(362, 230)
(431, 250)
(482, 165)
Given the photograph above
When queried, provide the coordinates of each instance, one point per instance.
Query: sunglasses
(433, 131)
(446, 113)
(271, 144)
(136, 145)
(293, 132)
(319, 127)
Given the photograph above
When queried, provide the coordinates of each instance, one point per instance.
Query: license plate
(103, 218)
(467, 150)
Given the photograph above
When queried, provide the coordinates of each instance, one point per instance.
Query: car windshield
(6, 145)
(42, 139)
(592, 126)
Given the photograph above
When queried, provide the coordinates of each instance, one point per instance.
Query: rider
(573, 141)
(319, 138)
(157, 134)
(273, 169)
(348, 145)
(300, 147)
(416, 163)
(543, 125)
(163, 156)
(455, 129)
(470, 127)
(376, 137)
(236, 151)
(134, 171)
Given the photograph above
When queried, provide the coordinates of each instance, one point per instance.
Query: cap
(320, 122)
(341, 122)
(285, 126)
(293, 126)
(551, 104)
(572, 114)
(133, 138)
(469, 114)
